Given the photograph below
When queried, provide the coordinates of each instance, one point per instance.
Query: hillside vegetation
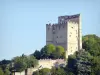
(83, 62)
(50, 51)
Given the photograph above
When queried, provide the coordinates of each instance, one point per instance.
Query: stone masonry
(67, 33)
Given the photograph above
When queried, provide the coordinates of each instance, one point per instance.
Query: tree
(69, 71)
(91, 43)
(80, 63)
(95, 66)
(1, 72)
(83, 63)
(44, 71)
(47, 51)
(5, 64)
(50, 51)
(59, 52)
(36, 73)
(37, 54)
(58, 71)
(6, 72)
(71, 63)
(20, 65)
(23, 62)
(31, 61)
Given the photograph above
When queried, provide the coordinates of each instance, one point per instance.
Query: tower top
(68, 17)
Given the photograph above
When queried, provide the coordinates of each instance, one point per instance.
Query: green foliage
(36, 73)
(60, 49)
(6, 72)
(72, 56)
(19, 64)
(80, 63)
(95, 66)
(59, 52)
(86, 62)
(47, 51)
(50, 48)
(5, 66)
(31, 62)
(44, 71)
(37, 54)
(5, 62)
(91, 43)
(83, 63)
(69, 71)
(50, 51)
(71, 63)
(23, 62)
(1, 72)
(58, 71)
(53, 71)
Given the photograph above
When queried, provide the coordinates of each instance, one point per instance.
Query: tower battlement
(70, 16)
(60, 25)
(73, 18)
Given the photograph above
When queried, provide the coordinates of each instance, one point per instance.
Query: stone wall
(72, 37)
(19, 73)
(49, 63)
(56, 34)
(44, 63)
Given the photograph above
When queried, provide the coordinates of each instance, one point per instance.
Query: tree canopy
(44, 71)
(50, 51)
(91, 43)
(23, 62)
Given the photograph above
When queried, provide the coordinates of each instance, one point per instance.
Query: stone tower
(67, 33)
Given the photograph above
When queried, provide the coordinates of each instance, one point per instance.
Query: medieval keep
(67, 33)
